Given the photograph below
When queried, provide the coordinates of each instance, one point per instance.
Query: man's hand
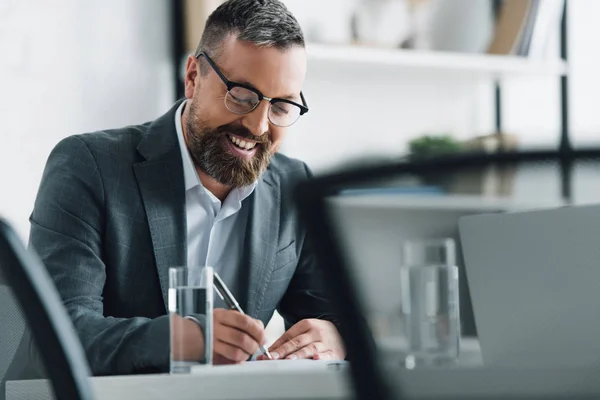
(236, 336)
(309, 338)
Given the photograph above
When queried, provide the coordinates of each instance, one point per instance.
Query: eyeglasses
(243, 99)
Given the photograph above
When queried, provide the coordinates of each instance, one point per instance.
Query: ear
(192, 76)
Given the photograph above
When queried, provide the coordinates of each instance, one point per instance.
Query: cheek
(211, 108)
(215, 116)
(277, 135)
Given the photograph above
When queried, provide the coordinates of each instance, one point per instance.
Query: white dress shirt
(215, 230)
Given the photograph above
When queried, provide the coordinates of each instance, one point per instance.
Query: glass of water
(430, 309)
(190, 302)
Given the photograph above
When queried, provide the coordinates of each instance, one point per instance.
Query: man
(201, 185)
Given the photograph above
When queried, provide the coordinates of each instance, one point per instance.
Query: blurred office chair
(11, 333)
(28, 298)
(565, 170)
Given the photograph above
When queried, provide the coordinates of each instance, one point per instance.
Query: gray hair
(265, 23)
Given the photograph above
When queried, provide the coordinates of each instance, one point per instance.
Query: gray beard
(210, 153)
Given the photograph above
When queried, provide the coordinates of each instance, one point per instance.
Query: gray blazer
(109, 220)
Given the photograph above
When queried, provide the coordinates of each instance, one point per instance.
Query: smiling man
(201, 185)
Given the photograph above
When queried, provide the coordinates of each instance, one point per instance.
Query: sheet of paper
(261, 367)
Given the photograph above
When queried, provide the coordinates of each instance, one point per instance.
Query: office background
(69, 67)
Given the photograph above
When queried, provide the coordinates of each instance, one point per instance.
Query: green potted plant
(486, 181)
(427, 146)
(430, 145)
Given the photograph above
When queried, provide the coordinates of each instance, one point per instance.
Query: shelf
(441, 202)
(497, 66)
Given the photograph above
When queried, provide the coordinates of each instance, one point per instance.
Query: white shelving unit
(485, 65)
(370, 101)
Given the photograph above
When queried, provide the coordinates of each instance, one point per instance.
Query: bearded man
(201, 185)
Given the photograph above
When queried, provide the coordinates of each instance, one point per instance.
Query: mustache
(243, 133)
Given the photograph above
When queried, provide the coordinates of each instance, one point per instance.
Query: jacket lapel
(261, 240)
(161, 182)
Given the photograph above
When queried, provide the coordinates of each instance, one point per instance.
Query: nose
(257, 122)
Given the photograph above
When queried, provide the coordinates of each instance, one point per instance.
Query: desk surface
(248, 382)
(264, 381)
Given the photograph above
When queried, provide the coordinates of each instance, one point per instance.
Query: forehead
(276, 73)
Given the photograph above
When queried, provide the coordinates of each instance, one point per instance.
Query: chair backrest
(19, 360)
(25, 279)
(13, 326)
(11, 332)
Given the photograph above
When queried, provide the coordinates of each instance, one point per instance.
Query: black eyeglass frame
(230, 85)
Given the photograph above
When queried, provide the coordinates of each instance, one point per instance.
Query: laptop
(534, 281)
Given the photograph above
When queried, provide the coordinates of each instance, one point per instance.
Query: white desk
(240, 382)
(234, 386)
(229, 382)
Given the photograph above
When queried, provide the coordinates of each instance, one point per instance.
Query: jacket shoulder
(115, 141)
(286, 167)
(111, 146)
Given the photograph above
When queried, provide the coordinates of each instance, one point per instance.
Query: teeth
(242, 143)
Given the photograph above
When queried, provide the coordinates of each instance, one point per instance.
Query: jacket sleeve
(67, 231)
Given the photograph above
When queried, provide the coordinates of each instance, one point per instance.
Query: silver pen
(232, 303)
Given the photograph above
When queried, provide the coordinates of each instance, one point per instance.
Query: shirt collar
(190, 175)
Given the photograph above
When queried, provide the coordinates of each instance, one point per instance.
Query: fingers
(296, 330)
(230, 353)
(241, 322)
(236, 336)
(303, 346)
(309, 338)
(238, 339)
(218, 359)
(326, 355)
(307, 351)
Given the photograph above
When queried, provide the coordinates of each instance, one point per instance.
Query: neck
(220, 191)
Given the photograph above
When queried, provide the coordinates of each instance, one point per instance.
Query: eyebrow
(287, 97)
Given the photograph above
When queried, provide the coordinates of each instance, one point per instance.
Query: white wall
(358, 112)
(585, 63)
(70, 67)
